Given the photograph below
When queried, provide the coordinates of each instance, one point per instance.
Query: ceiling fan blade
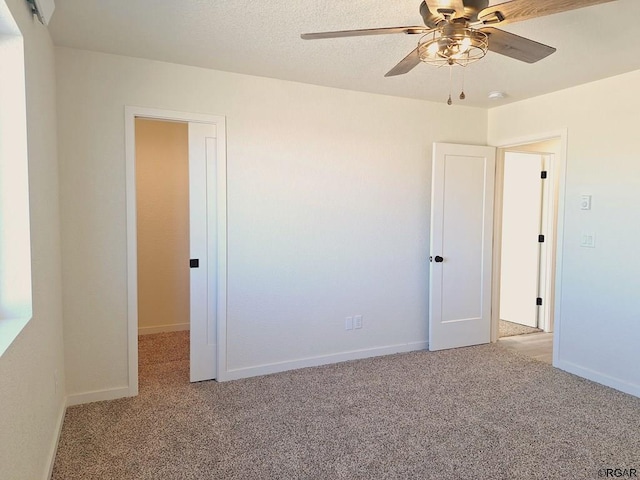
(406, 64)
(518, 10)
(515, 46)
(365, 32)
(441, 6)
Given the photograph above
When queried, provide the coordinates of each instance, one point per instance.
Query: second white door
(461, 245)
(521, 225)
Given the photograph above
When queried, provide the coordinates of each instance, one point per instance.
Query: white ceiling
(263, 38)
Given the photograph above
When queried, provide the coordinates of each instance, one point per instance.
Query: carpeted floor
(479, 412)
(510, 329)
(162, 348)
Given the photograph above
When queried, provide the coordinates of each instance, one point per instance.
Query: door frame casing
(554, 267)
(131, 113)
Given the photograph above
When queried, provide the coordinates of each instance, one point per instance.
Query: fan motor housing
(471, 10)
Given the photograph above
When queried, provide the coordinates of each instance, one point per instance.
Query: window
(15, 245)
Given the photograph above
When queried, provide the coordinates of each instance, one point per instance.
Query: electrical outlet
(357, 321)
(348, 323)
(588, 240)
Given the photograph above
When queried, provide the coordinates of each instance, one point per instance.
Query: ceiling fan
(459, 32)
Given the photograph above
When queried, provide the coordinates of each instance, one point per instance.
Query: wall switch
(357, 321)
(588, 240)
(585, 202)
(348, 323)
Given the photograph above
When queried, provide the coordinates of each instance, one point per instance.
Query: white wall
(328, 210)
(599, 325)
(162, 198)
(30, 407)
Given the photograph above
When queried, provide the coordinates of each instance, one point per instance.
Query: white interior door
(521, 225)
(203, 250)
(461, 245)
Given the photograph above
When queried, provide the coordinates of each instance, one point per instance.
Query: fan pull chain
(462, 95)
(449, 102)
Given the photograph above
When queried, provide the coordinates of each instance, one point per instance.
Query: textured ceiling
(263, 38)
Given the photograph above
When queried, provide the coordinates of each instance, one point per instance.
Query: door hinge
(543, 174)
(539, 301)
(541, 238)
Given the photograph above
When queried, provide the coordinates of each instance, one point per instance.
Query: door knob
(438, 259)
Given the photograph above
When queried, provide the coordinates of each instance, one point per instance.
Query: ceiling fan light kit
(460, 32)
(453, 44)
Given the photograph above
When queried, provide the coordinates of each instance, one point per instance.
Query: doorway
(176, 241)
(451, 327)
(162, 193)
(525, 243)
(522, 245)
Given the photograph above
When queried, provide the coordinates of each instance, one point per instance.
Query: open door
(461, 245)
(203, 247)
(521, 241)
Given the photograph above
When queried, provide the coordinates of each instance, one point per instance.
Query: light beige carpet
(510, 329)
(471, 413)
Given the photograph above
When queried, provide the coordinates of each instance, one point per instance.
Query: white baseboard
(97, 396)
(174, 327)
(599, 377)
(54, 447)
(265, 369)
(269, 368)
